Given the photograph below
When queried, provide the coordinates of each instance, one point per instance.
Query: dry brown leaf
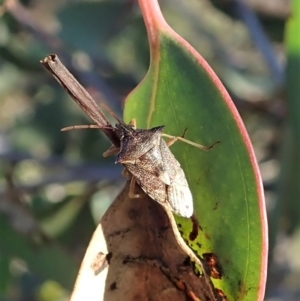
(136, 254)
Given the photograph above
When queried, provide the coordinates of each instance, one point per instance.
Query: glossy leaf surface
(181, 91)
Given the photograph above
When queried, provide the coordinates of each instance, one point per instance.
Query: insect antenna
(84, 126)
(111, 112)
(126, 128)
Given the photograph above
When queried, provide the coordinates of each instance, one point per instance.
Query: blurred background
(52, 181)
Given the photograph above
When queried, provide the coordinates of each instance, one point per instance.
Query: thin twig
(80, 95)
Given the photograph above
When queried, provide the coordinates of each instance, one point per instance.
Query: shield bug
(143, 152)
(149, 160)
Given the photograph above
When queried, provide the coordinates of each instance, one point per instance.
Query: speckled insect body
(148, 158)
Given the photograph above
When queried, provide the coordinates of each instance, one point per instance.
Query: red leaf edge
(156, 23)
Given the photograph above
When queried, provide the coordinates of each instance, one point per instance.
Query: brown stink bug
(152, 165)
(143, 152)
(149, 160)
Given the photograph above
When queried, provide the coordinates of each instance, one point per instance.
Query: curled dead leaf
(136, 254)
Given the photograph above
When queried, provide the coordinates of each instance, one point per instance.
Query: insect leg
(131, 193)
(173, 139)
(133, 123)
(125, 173)
(111, 151)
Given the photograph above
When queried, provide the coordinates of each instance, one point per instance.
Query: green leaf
(287, 207)
(181, 91)
(292, 42)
